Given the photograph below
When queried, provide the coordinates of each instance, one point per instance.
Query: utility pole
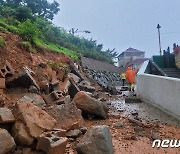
(158, 27)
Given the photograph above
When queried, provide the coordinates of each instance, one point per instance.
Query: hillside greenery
(32, 20)
(1, 42)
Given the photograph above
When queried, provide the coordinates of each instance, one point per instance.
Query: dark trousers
(123, 80)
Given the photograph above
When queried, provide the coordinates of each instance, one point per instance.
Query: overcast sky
(122, 24)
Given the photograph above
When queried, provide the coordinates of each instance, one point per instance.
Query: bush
(28, 30)
(2, 43)
(11, 21)
(9, 27)
(7, 11)
(23, 13)
(4, 30)
(56, 48)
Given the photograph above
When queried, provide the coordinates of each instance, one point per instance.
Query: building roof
(137, 61)
(133, 50)
(100, 66)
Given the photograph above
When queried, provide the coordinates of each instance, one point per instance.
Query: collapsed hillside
(39, 96)
(48, 105)
(19, 56)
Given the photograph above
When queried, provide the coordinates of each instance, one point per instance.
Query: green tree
(23, 13)
(38, 7)
(7, 12)
(43, 8)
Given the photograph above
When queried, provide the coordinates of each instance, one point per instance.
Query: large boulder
(20, 134)
(35, 119)
(34, 98)
(85, 86)
(7, 143)
(23, 79)
(52, 144)
(75, 70)
(97, 140)
(6, 116)
(74, 77)
(90, 106)
(64, 86)
(73, 89)
(67, 116)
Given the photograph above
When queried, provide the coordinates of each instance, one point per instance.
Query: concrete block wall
(163, 92)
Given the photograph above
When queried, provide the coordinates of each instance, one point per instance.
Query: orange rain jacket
(130, 75)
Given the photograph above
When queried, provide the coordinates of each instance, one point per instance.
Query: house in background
(137, 63)
(129, 56)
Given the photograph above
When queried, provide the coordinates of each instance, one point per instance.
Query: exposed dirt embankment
(19, 56)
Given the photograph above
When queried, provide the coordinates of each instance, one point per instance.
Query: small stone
(115, 115)
(134, 113)
(59, 132)
(138, 129)
(118, 125)
(133, 100)
(64, 100)
(142, 134)
(74, 133)
(121, 110)
(154, 137)
(134, 138)
(71, 139)
(83, 130)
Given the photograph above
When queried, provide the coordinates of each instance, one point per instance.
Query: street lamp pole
(73, 31)
(158, 27)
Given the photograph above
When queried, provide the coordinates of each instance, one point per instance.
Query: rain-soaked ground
(144, 111)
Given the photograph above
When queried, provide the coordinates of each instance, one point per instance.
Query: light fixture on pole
(74, 31)
(158, 27)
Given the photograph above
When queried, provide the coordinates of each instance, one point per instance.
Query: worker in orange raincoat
(130, 77)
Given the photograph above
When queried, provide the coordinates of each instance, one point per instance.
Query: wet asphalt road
(144, 111)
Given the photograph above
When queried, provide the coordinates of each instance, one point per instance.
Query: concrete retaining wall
(163, 92)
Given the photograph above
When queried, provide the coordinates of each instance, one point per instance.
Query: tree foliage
(38, 7)
(28, 30)
(29, 19)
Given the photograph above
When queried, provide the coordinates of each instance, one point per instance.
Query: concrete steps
(172, 72)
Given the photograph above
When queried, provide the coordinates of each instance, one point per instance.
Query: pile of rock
(51, 113)
(107, 80)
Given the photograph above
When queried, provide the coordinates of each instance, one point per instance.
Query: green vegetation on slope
(33, 24)
(55, 48)
(1, 42)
